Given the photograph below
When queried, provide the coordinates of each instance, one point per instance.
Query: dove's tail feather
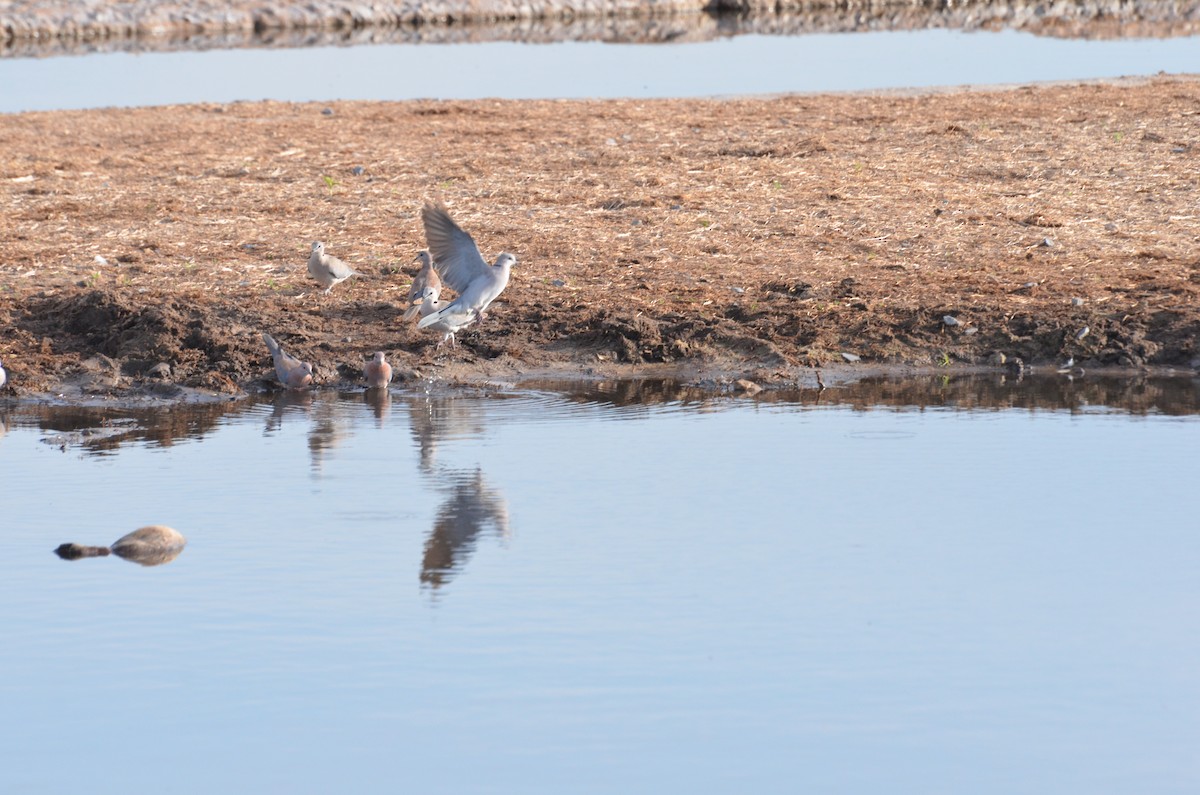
(432, 318)
(272, 345)
(445, 314)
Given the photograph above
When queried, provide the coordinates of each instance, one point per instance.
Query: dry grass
(773, 231)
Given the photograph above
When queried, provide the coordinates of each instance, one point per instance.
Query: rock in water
(152, 545)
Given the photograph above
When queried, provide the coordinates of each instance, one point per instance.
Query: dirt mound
(203, 346)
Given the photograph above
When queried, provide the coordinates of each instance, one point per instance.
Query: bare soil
(742, 237)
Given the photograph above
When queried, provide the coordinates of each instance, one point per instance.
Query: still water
(749, 64)
(935, 587)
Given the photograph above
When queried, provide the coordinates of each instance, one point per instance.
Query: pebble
(1083, 332)
(950, 320)
(1076, 302)
(357, 171)
(160, 370)
(749, 387)
(327, 112)
(851, 357)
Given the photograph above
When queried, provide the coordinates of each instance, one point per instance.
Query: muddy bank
(73, 26)
(149, 248)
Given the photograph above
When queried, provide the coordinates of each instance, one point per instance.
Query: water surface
(751, 64)
(975, 585)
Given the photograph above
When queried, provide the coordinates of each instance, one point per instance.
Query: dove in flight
(327, 270)
(426, 277)
(291, 372)
(462, 267)
(377, 371)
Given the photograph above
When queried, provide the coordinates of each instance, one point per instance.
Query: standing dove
(377, 371)
(328, 270)
(291, 372)
(426, 277)
(449, 323)
(461, 266)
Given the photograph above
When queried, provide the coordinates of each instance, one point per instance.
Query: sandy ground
(739, 237)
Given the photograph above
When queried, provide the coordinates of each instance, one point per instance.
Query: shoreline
(748, 237)
(64, 27)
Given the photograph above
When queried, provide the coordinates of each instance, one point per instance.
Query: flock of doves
(452, 259)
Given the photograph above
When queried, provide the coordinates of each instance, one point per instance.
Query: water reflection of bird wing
(436, 419)
(471, 508)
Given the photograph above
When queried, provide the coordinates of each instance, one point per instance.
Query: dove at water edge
(326, 269)
(425, 278)
(461, 266)
(449, 323)
(291, 372)
(377, 371)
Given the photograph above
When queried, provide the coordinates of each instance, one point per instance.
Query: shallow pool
(937, 586)
(749, 64)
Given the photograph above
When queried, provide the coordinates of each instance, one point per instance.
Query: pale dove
(377, 371)
(449, 323)
(3, 376)
(426, 277)
(461, 266)
(291, 372)
(326, 269)
(150, 546)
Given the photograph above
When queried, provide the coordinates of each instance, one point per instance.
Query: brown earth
(736, 236)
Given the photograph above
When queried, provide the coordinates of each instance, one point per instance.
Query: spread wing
(455, 254)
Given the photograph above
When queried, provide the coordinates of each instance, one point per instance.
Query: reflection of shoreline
(148, 25)
(472, 508)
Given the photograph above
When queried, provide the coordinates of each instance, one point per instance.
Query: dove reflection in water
(380, 401)
(330, 426)
(434, 419)
(471, 508)
(285, 403)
